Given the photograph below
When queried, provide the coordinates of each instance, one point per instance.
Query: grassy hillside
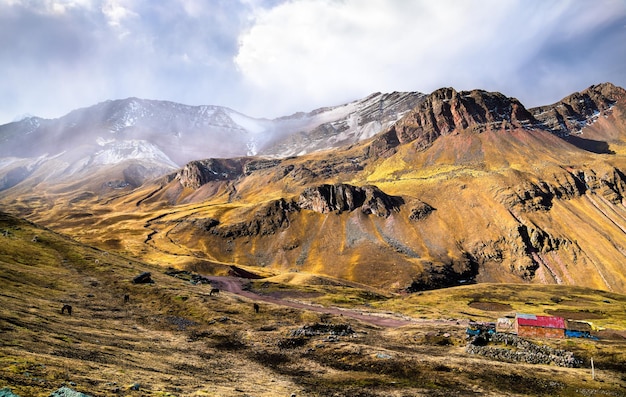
(174, 339)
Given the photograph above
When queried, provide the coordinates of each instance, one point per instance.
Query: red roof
(540, 321)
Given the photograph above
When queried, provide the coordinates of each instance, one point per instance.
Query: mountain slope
(160, 136)
(467, 187)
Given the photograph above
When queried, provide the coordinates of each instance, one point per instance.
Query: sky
(272, 58)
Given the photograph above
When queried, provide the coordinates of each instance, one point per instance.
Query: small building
(533, 326)
(578, 329)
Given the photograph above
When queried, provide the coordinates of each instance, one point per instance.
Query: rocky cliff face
(273, 216)
(342, 197)
(578, 110)
(267, 220)
(447, 110)
(198, 173)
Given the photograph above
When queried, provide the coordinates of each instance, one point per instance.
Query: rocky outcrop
(67, 392)
(273, 216)
(447, 110)
(267, 220)
(420, 210)
(576, 111)
(605, 181)
(6, 392)
(343, 197)
(260, 164)
(143, 278)
(200, 172)
(446, 274)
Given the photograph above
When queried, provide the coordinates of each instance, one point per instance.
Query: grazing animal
(214, 291)
(126, 298)
(256, 308)
(68, 308)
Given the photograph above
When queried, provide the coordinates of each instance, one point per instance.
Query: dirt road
(235, 285)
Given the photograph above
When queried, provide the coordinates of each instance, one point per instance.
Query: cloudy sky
(269, 58)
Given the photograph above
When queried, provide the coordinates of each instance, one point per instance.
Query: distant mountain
(337, 126)
(183, 133)
(163, 135)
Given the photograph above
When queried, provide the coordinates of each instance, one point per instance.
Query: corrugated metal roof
(532, 320)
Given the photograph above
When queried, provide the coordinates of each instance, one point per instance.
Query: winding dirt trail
(234, 285)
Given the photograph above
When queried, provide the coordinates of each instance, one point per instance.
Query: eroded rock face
(343, 197)
(200, 172)
(447, 110)
(420, 210)
(608, 182)
(441, 275)
(572, 113)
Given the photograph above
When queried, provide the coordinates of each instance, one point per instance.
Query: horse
(126, 298)
(68, 308)
(256, 307)
(214, 291)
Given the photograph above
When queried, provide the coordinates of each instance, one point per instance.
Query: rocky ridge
(274, 215)
(341, 125)
(447, 111)
(574, 112)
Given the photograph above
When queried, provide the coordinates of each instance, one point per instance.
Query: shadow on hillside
(598, 147)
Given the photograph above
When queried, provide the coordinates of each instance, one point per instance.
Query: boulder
(143, 278)
(6, 392)
(67, 392)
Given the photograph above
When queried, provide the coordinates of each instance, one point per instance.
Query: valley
(369, 254)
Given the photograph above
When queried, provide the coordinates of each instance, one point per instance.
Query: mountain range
(403, 191)
(161, 136)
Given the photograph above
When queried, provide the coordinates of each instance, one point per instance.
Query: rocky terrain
(465, 187)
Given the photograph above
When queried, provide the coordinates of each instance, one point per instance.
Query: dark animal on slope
(126, 298)
(68, 308)
(256, 308)
(214, 291)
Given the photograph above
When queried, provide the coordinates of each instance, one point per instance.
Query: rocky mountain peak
(579, 109)
(342, 125)
(447, 110)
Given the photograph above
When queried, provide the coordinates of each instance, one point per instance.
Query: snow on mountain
(166, 135)
(339, 125)
(118, 151)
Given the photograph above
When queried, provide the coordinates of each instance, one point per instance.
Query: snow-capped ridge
(119, 151)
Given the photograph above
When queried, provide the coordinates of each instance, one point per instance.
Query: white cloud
(117, 12)
(52, 7)
(269, 58)
(323, 49)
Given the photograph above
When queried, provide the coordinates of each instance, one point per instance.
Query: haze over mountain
(159, 136)
(453, 187)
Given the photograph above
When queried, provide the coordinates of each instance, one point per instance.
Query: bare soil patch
(576, 314)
